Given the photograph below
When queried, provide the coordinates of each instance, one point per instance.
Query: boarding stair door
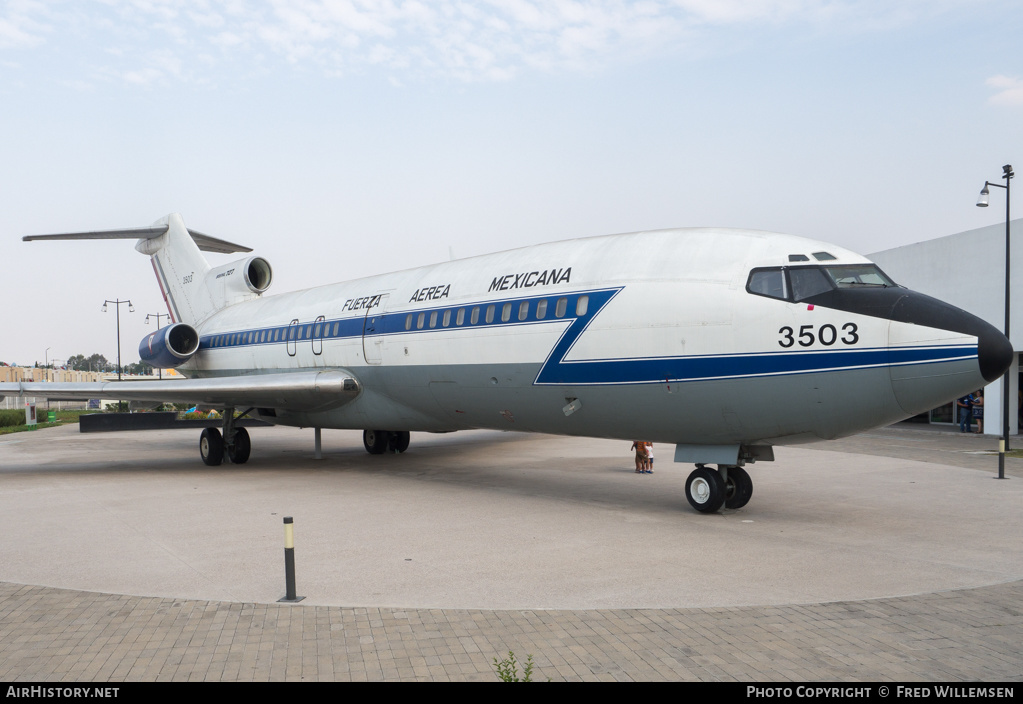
(319, 332)
(373, 333)
(292, 345)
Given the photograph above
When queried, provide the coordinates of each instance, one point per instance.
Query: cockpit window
(808, 281)
(768, 282)
(796, 283)
(858, 275)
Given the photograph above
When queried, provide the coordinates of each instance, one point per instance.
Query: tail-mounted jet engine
(239, 280)
(169, 347)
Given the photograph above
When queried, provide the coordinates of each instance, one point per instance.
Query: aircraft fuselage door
(372, 329)
(317, 339)
(292, 341)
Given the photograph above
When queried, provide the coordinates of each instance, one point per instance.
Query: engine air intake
(169, 347)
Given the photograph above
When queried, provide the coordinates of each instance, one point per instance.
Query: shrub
(508, 669)
(12, 417)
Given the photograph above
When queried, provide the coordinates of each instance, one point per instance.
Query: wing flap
(300, 391)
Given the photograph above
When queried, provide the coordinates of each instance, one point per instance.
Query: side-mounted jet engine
(169, 347)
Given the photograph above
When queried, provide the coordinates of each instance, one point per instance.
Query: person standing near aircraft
(965, 406)
(978, 411)
(649, 458)
(640, 447)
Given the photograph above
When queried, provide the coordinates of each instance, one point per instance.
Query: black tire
(705, 490)
(401, 440)
(375, 441)
(738, 488)
(211, 447)
(239, 452)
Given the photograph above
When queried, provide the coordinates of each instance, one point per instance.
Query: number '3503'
(827, 335)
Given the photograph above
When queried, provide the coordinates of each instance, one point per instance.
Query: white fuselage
(651, 335)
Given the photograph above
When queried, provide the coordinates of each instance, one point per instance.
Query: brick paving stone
(63, 635)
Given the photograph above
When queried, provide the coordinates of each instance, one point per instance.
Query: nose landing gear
(708, 490)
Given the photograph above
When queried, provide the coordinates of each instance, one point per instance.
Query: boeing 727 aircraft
(722, 342)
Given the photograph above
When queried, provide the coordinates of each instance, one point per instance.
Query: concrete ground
(893, 555)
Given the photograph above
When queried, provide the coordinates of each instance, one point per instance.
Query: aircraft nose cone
(994, 353)
(944, 335)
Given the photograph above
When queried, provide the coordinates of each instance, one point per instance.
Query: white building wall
(968, 270)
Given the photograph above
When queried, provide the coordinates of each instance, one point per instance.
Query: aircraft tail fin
(177, 260)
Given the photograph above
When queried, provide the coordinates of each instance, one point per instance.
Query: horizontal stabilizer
(212, 244)
(203, 241)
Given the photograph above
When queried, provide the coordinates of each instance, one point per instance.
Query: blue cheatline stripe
(557, 371)
(681, 369)
(394, 323)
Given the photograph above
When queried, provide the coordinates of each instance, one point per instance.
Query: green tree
(94, 362)
(138, 368)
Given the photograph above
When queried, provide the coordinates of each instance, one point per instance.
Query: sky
(343, 138)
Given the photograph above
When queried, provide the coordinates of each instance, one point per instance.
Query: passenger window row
(287, 333)
(523, 311)
(535, 309)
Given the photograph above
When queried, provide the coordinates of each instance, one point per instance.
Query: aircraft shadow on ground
(478, 461)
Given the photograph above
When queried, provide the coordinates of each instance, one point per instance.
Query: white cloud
(11, 34)
(1010, 90)
(227, 40)
(207, 19)
(470, 40)
(142, 77)
(731, 11)
(22, 24)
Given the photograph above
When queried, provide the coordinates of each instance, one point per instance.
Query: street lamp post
(54, 365)
(157, 316)
(46, 365)
(131, 309)
(982, 202)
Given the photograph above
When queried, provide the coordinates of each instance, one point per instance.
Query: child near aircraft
(649, 458)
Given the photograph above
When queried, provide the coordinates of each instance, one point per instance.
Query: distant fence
(21, 401)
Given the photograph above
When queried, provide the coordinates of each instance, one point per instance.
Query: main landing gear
(708, 489)
(234, 442)
(377, 442)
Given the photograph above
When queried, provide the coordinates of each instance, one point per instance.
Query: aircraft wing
(299, 391)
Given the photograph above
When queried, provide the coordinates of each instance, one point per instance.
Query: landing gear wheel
(401, 440)
(211, 447)
(705, 490)
(375, 441)
(738, 488)
(238, 453)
